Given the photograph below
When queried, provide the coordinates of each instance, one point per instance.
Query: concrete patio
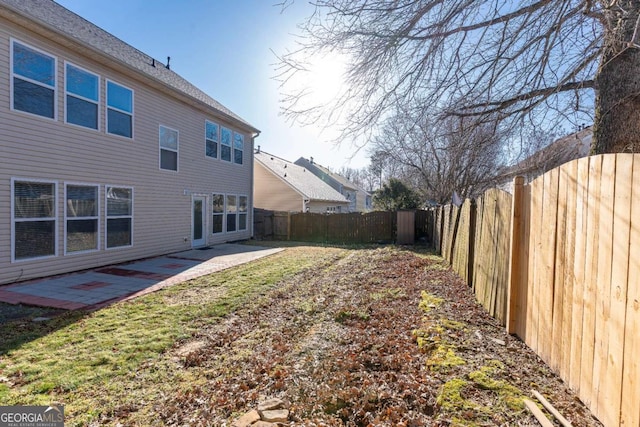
(105, 285)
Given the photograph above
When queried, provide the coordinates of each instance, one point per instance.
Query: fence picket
(609, 398)
(590, 283)
(603, 283)
(630, 410)
(579, 268)
(535, 265)
(569, 175)
(559, 285)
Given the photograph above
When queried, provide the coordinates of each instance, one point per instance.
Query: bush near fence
(559, 265)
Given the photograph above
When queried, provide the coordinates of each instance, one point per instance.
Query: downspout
(253, 144)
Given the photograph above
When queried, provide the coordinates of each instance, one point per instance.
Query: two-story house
(106, 154)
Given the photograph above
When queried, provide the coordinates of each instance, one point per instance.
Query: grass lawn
(97, 363)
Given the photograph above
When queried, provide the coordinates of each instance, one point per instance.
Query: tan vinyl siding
(37, 148)
(272, 193)
(319, 206)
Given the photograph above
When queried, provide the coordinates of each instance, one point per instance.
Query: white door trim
(198, 231)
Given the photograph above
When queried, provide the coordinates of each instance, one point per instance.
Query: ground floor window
(232, 211)
(217, 209)
(34, 219)
(243, 202)
(81, 212)
(229, 213)
(119, 216)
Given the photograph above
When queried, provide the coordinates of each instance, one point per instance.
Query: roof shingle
(298, 177)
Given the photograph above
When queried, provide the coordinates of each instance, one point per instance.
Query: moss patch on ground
(428, 301)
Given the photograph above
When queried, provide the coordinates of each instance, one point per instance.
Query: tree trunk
(617, 117)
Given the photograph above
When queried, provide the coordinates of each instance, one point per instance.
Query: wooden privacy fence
(372, 227)
(474, 239)
(270, 224)
(559, 265)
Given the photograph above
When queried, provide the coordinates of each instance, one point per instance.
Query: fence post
(471, 243)
(515, 268)
(288, 226)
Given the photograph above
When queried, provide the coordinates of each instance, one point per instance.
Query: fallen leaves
(385, 337)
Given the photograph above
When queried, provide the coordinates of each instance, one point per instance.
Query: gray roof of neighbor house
(338, 178)
(78, 33)
(299, 178)
(559, 152)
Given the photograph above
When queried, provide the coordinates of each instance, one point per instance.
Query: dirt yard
(381, 337)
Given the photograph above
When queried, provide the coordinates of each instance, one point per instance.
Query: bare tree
(536, 62)
(438, 158)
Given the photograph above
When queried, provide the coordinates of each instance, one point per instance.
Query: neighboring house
(107, 154)
(559, 152)
(359, 200)
(281, 185)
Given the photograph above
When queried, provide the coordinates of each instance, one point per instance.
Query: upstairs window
(81, 102)
(238, 148)
(211, 139)
(34, 219)
(225, 147)
(119, 110)
(33, 81)
(168, 149)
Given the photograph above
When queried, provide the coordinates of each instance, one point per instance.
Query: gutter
(251, 174)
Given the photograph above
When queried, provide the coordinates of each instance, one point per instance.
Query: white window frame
(227, 213)
(246, 225)
(234, 149)
(12, 75)
(81, 218)
(222, 129)
(14, 220)
(160, 148)
(222, 214)
(107, 217)
(107, 108)
(67, 94)
(217, 142)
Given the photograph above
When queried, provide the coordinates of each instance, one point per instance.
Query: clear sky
(224, 47)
